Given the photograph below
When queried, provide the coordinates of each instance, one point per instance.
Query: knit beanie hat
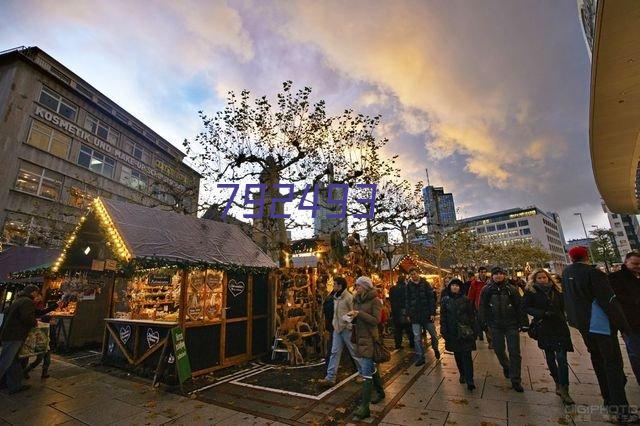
(365, 282)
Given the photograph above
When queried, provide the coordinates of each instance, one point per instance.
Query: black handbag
(534, 329)
(380, 352)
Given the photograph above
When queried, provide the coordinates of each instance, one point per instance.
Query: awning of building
(615, 104)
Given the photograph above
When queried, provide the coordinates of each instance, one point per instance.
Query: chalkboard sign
(181, 357)
(159, 280)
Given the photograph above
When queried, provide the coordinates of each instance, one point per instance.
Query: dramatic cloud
(491, 97)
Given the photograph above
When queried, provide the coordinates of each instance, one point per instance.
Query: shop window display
(153, 295)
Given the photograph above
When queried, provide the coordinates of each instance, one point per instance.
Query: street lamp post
(586, 236)
(388, 250)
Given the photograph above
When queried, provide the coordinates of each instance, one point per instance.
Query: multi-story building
(62, 142)
(438, 207)
(527, 225)
(625, 228)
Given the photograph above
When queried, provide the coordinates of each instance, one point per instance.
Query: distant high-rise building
(522, 225)
(626, 229)
(438, 207)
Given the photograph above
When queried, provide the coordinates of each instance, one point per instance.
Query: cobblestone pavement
(433, 395)
(75, 395)
(427, 395)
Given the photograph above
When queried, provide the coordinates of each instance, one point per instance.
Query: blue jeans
(366, 367)
(417, 337)
(10, 364)
(339, 341)
(558, 367)
(633, 349)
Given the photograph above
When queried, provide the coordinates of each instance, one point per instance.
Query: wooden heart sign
(125, 333)
(153, 337)
(236, 288)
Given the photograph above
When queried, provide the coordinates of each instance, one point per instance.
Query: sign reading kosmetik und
(117, 153)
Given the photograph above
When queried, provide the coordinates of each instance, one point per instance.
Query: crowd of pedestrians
(489, 304)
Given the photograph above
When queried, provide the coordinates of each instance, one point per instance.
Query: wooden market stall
(168, 270)
(402, 263)
(301, 288)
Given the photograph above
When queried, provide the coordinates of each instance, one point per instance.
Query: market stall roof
(17, 258)
(154, 233)
(408, 260)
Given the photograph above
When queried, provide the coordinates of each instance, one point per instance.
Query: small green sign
(182, 358)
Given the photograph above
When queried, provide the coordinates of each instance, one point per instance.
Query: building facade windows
(501, 226)
(136, 151)
(39, 181)
(133, 179)
(22, 229)
(523, 222)
(44, 137)
(491, 228)
(101, 130)
(57, 103)
(525, 231)
(96, 161)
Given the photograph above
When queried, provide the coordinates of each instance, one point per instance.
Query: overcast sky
(491, 96)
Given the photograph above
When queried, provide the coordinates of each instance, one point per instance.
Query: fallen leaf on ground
(150, 404)
(460, 401)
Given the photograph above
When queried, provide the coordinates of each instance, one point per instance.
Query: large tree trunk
(271, 234)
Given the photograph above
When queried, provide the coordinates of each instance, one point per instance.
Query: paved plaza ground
(81, 393)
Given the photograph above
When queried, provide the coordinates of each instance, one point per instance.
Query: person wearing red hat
(593, 309)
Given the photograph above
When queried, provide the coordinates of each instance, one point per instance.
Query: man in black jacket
(585, 288)
(20, 319)
(501, 311)
(420, 305)
(401, 322)
(626, 285)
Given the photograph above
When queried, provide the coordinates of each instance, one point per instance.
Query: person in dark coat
(543, 301)
(456, 327)
(501, 311)
(593, 309)
(626, 285)
(420, 305)
(401, 322)
(20, 319)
